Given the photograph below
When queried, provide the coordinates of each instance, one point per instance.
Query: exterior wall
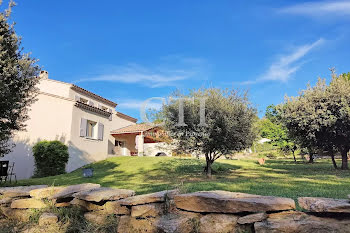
(54, 116)
(151, 149)
(50, 119)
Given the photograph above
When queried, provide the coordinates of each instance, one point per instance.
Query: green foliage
(50, 158)
(229, 119)
(319, 118)
(17, 82)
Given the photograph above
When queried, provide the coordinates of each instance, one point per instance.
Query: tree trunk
(334, 162)
(295, 160)
(311, 159)
(208, 168)
(344, 160)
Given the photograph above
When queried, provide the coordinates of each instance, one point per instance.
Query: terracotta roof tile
(133, 129)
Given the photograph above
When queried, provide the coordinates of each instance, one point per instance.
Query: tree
(17, 82)
(319, 118)
(225, 126)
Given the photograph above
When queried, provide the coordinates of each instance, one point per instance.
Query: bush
(50, 157)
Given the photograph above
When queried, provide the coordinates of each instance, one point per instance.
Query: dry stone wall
(170, 211)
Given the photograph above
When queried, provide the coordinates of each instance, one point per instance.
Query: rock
(5, 200)
(177, 223)
(147, 210)
(86, 205)
(252, 218)
(231, 202)
(96, 217)
(148, 198)
(62, 204)
(28, 203)
(16, 214)
(129, 224)
(19, 191)
(299, 222)
(113, 207)
(104, 194)
(70, 190)
(317, 204)
(48, 218)
(222, 223)
(48, 192)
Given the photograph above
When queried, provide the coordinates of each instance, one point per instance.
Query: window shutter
(83, 125)
(77, 98)
(99, 106)
(100, 131)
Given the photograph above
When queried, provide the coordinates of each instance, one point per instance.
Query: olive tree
(319, 118)
(212, 122)
(17, 85)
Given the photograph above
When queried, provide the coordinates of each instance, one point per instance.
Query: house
(80, 119)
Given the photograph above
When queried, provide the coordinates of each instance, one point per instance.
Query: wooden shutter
(83, 125)
(100, 131)
(77, 98)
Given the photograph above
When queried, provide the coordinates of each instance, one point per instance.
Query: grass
(278, 177)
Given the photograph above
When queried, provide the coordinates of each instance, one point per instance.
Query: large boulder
(48, 192)
(47, 219)
(218, 223)
(70, 190)
(147, 210)
(299, 222)
(231, 202)
(148, 198)
(317, 204)
(19, 191)
(28, 203)
(104, 194)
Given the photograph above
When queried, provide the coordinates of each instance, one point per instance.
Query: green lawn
(151, 174)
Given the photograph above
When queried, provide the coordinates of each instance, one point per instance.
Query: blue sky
(128, 51)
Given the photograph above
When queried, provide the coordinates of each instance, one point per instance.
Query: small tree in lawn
(211, 121)
(17, 85)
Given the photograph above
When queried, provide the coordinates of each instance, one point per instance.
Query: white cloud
(169, 72)
(321, 8)
(288, 64)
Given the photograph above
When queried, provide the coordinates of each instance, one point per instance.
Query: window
(91, 129)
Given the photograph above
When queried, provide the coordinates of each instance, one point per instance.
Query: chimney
(44, 74)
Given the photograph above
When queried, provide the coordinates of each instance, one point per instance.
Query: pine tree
(18, 72)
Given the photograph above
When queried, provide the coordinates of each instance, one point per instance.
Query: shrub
(50, 157)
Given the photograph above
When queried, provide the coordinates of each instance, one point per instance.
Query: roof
(133, 129)
(126, 117)
(93, 95)
(93, 109)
